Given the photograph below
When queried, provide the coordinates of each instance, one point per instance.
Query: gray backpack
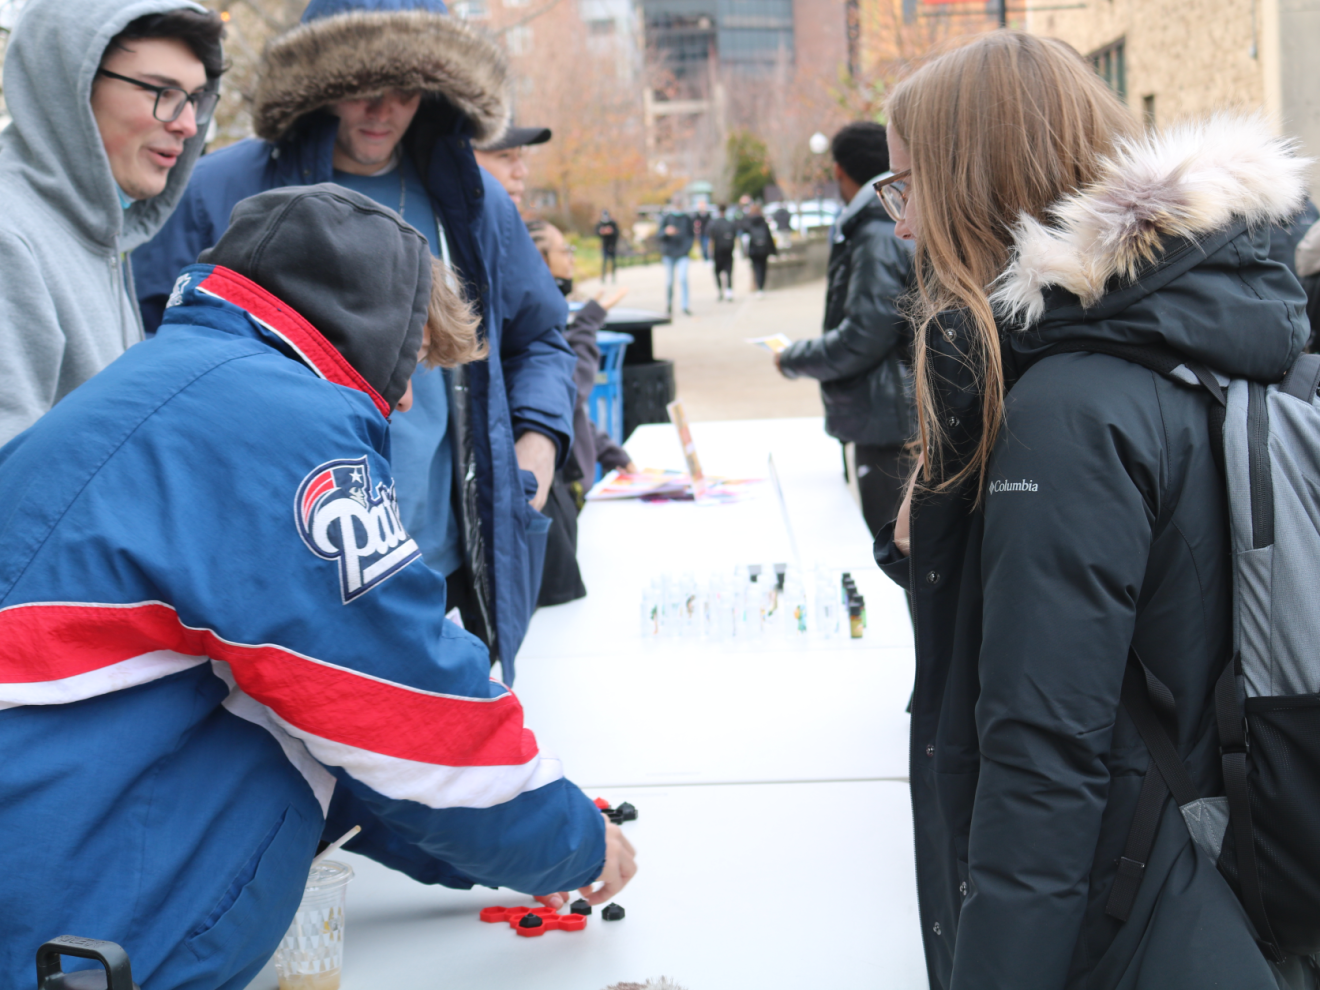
(1264, 833)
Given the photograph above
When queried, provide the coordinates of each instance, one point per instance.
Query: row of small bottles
(752, 603)
(855, 603)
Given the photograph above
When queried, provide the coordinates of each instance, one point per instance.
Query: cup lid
(328, 874)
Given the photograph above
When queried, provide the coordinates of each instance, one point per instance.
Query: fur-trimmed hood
(359, 52)
(1185, 182)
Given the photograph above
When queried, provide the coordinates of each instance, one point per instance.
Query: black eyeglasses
(170, 100)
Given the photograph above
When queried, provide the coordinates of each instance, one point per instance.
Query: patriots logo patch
(176, 294)
(340, 517)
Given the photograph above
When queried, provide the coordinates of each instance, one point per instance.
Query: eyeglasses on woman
(893, 193)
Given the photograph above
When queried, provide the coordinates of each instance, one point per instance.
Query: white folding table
(774, 834)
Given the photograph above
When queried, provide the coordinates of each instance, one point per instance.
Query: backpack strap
(1303, 378)
(1233, 750)
(1149, 704)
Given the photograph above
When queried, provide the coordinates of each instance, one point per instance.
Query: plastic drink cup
(312, 950)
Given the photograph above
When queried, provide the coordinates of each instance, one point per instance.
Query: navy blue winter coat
(527, 382)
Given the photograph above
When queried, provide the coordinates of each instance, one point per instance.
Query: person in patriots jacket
(219, 644)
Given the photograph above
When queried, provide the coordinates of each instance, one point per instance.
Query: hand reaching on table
(620, 867)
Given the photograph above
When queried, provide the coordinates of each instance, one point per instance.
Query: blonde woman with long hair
(1069, 508)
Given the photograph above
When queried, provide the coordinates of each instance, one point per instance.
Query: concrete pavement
(720, 376)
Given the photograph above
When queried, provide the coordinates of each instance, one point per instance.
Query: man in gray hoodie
(110, 102)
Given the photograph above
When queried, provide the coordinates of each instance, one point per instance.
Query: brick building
(1170, 59)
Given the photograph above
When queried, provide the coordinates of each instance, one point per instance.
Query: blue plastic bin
(605, 407)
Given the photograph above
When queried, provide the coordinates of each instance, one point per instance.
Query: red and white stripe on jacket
(405, 743)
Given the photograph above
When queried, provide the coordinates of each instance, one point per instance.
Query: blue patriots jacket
(218, 643)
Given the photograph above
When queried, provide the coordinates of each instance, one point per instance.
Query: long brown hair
(1003, 126)
(451, 323)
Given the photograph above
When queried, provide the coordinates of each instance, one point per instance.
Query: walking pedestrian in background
(676, 237)
(862, 359)
(760, 245)
(1080, 519)
(608, 232)
(723, 237)
(96, 159)
(699, 224)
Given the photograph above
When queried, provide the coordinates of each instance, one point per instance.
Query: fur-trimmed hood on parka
(1184, 182)
(346, 49)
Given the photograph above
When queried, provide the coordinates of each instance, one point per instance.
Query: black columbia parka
(1103, 523)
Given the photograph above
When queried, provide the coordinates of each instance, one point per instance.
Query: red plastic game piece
(602, 804)
(551, 920)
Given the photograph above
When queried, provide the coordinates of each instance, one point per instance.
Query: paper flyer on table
(655, 485)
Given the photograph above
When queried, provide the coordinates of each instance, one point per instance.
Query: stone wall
(1192, 56)
(1186, 58)
(803, 261)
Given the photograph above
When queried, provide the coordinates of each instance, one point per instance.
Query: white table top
(774, 835)
(693, 712)
(741, 887)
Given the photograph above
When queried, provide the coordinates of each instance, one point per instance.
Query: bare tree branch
(528, 18)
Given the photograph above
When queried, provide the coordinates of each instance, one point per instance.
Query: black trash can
(647, 389)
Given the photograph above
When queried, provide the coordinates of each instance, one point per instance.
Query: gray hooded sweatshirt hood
(66, 308)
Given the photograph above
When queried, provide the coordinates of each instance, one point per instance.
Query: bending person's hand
(620, 866)
(536, 452)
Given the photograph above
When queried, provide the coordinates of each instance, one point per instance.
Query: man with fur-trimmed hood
(387, 97)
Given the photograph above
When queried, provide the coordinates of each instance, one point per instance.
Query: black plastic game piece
(612, 912)
(626, 813)
(579, 906)
(530, 921)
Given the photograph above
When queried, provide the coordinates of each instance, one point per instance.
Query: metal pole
(1003, 13)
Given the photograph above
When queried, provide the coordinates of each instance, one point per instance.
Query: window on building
(682, 43)
(1110, 63)
(601, 28)
(470, 10)
(519, 39)
(1148, 109)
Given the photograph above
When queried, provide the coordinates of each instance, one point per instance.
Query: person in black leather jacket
(861, 360)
